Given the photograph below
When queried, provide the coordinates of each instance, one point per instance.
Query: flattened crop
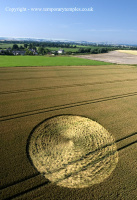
(73, 151)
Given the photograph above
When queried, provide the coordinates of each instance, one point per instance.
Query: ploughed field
(106, 94)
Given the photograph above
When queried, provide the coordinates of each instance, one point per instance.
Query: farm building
(60, 51)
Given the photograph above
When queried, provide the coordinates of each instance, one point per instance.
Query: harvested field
(28, 96)
(133, 52)
(118, 57)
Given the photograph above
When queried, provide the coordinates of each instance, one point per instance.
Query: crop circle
(73, 151)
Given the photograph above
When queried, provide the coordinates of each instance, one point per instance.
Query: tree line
(41, 48)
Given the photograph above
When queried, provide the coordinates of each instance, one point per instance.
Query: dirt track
(113, 57)
(107, 94)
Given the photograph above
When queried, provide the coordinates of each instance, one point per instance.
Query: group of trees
(29, 47)
(95, 50)
(6, 52)
(33, 45)
(54, 44)
(43, 51)
(24, 46)
(43, 48)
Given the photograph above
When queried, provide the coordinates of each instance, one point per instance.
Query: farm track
(25, 180)
(54, 108)
(63, 86)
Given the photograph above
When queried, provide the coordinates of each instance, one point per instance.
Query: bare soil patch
(113, 57)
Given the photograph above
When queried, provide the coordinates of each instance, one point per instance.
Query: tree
(69, 52)
(94, 51)
(25, 45)
(56, 53)
(15, 46)
(30, 46)
(81, 50)
(21, 47)
(46, 51)
(28, 52)
(87, 50)
(41, 50)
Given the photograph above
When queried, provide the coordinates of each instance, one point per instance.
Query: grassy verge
(17, 61)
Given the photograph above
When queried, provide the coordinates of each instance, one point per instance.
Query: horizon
(106, 22)
(29, 39)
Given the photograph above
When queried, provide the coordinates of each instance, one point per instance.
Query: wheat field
(99, 165)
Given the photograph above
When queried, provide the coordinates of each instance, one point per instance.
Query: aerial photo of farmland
(68, 107)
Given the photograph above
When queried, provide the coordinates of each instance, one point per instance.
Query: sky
(110, 21)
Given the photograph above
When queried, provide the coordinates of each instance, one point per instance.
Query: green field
(73, 50)
(87, 46)
(65, 49)
(17, 61)
(5, 46)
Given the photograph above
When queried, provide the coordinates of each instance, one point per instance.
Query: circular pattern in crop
(73, 151)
